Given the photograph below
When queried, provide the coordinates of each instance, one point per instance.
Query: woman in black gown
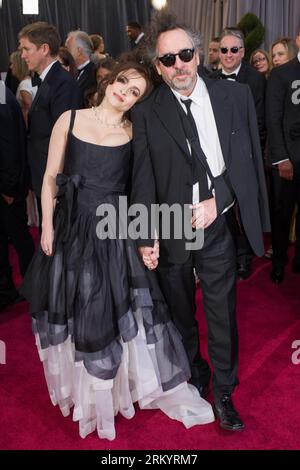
(101, 325)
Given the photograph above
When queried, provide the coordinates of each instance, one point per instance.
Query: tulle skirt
(96, 402)
(104, 333)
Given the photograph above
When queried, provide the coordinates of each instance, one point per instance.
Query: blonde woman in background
(282, 51)
(26, 92)
(25, 95)
(98, 48)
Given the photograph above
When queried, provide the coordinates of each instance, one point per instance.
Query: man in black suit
(135, 34)
(283, 121)
(80, 46)
(172, 154)
(57, 93)
(13, 192)
(232, 52)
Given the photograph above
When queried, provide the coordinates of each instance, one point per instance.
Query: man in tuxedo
(283, 122)
(13, 192)
(135, 34)
(57, 93)
(232, 52)
(80, 46)
(194, 137)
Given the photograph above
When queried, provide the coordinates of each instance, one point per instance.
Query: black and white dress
(102, 327)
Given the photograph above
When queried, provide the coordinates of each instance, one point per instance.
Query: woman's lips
(119, 98)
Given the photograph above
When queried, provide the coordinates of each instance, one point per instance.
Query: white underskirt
(96, 402)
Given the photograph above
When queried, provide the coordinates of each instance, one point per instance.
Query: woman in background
(282, 51)
(25, 95)
(98, 48)
(260, 61)
(67, 61)
(25, 91)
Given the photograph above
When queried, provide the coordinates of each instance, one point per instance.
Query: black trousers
(285, 195)
(215, 266)
(13, 226)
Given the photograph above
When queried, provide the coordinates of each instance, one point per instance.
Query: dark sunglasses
(185, 55)
(233, 50)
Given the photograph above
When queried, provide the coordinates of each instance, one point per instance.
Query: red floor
(267, 398)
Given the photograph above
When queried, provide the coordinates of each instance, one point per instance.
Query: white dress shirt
(236, 71)
(45, 72)
(81, 67)
(203, 115)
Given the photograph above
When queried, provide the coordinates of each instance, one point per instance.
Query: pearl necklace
(115, 125)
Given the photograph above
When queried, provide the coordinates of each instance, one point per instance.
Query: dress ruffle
(96, 402)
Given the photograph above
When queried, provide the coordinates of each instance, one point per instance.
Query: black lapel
(84, 73)
(166, 110)
(242, 75)
(222, 110)
(55, 67)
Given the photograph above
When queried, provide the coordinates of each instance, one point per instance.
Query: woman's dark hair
(124, 66)
(108, 63)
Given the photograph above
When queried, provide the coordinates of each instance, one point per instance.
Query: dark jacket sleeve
(67, 96)
(12, 147)
(259, 94)
(143, 182)
(258, 164)
(275, 104)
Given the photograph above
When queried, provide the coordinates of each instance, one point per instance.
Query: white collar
(299, 56)
(80, 67)
(46, 70)
(139, 38)
(236, 71)
(198, 93)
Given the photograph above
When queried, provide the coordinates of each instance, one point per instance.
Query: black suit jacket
(283, 113)
(257, 83)
(58, 93)
(162, 171)
(87, 80)
(13, 162)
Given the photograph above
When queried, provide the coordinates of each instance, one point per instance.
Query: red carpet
(267, 398)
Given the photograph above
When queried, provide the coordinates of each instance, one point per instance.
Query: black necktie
(199, 172)
(232, 76)
(36, 80)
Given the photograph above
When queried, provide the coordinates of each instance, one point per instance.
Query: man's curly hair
(163, 21)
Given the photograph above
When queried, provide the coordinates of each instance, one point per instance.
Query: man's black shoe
(277, 275)
(228, 416)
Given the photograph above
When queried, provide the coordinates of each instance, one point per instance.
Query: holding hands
(150, 255)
